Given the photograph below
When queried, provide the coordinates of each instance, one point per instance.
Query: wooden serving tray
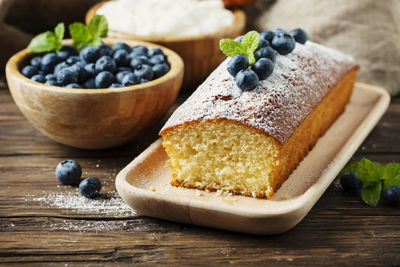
(144, 183)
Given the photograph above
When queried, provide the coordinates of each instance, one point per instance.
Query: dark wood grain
(339, 230)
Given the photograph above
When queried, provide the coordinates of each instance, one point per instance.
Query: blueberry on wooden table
(90, 187)
(121, 57)
(392, 195)
(29, 71)
(68, 172)
(67, 75)
(350, 182)
(160, 70)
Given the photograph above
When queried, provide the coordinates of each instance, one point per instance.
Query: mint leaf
(250, 42)
(369, 172)
(44, 42)
(59, 31)
(99, 26)
(230, 47)
(353, 167)
(391, 170)
(388, 182)
(80, 34)
(371, 194)
(96, 41)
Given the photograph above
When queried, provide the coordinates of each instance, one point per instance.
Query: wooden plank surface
(42, 221)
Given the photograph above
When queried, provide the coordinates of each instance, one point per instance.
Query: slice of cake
(248, 142)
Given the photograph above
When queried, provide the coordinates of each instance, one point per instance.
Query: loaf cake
(248, 143)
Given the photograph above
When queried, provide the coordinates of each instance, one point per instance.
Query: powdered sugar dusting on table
(108, 204)
(280, 103)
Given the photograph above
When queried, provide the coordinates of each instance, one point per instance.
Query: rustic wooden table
(42, 221)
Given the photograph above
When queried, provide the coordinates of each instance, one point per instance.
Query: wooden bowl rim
(176, 68)
(239, 19)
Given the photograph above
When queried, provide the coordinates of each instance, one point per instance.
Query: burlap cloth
(369, 30)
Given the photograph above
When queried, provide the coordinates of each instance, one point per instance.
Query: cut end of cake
(223, 155)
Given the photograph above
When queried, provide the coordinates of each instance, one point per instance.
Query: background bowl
(94, 118)
(200, 53)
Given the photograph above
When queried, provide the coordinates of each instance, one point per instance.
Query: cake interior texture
(227, 155)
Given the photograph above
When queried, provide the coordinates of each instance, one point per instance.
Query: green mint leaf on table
(388, 182)
(374, 177)
(247, 47)
(89, 35)
(371, 194)
(48, 41)
(369, 172)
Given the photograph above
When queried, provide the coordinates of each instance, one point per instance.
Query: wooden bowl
(200, 53)
(94, 118)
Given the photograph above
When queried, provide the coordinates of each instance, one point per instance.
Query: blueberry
(239, 39)
(138, 61)
(68, 172)
(263, 67)
(392, 195)
(104, 79)
(72, 60)
(36, 61)
(283, 43)
(155, 51)
(246, 80)
(144, 81)
(299, 35)
(63, 55)
(52, 82)
(350, 182)
(49, 61)
(278, 31)
(115, 85)
(119, 69)
(263, 43)
(105, 63)
(120, 75)
(50, 77)
(73, 85)
(237, 63)
(29, 71)
(157, 59)
(66, 76)
(89, 54)
(160, 70)
(70, 49)
(267, 35)
(90, 187)
(121, 57)
(130, 79)
(82, 73)
(105, 50)
(266, 52)
(60, 66)
(38, 78)
(121, 45)
(89, 84)
(140, 49)
(91, 69)
(144, 72)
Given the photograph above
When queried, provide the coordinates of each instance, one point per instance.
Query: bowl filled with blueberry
(94, 95)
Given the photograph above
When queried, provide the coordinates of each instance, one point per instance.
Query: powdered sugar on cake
(280, 103)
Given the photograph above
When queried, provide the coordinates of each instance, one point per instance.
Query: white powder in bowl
(166, 17)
